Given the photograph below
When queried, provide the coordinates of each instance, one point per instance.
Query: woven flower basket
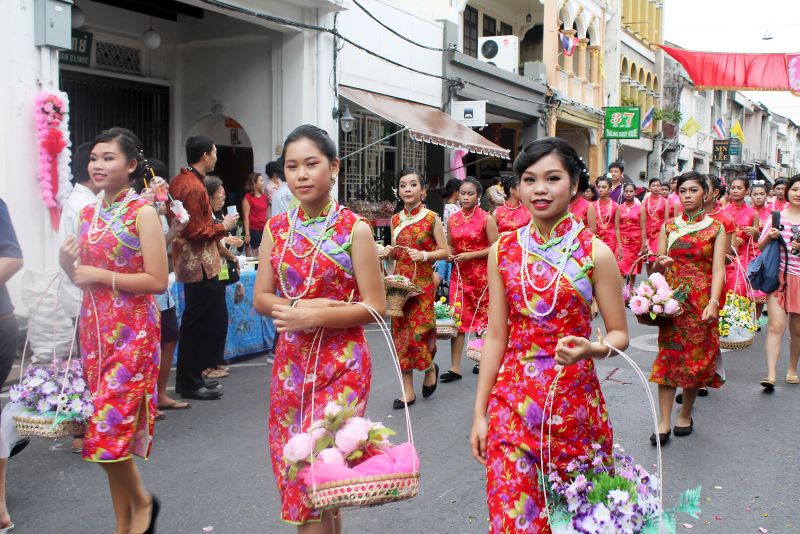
(474, 354)
(394, 304)
(735, 345)
(660, 320)
(446, 329)
(44, 428)
(362, 492)
(397, 293)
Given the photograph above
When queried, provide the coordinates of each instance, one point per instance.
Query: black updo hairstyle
(509, 183)
(603, 178)
(473, 181)
(316, 135)
(452, 186)
(629, 183)
(411, 170)
(569, 158)
(128, 144)
(695, 176)
(158, 168)
(714, 183)
(593, 189)
(742, 179)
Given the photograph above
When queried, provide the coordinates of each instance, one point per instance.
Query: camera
(796, 239)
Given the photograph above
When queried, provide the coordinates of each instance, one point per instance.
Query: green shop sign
(81, 52)
(622, 122)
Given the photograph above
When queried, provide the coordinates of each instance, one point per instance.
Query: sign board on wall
(622, 122)
(469, 112)
(81, 52)
(721, 150)
(735, 147)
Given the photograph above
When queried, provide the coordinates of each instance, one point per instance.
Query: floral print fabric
(688, 348)
(339, 360)
(736, 271)
(655, 207)
(469, 279)
(630, 232)
(605, 213)
(517, 407)
(415, 332)
(509, 219)
(121, 367)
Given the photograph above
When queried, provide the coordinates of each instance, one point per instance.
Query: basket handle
(548, 408)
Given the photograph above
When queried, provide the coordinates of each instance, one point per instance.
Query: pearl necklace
(604, 222)
(289, 243)
(468, 217)
(518, 206)
(652, 213)
(525, 276)
(94, 225)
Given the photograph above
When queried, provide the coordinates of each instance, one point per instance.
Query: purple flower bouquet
(54, 399)
(602, 494)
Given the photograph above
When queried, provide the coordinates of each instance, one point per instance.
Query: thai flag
(569, 44)
(648, 119)
(719, 129)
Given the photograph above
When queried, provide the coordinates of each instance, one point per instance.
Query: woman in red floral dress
(656, 212)
(745, 237)
(541, 281)
(692, 252)
(322, 258)
(603, 218)
(511, 214)
(470, 233)
(631, 232)
(417, 241)
(120, 262)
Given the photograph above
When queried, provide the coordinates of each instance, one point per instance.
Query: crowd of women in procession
(532, 273)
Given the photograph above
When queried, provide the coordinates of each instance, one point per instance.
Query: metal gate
(100, 102)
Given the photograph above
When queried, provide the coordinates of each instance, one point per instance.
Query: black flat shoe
(153, 515)
(427, 391)
(679, 398)
(398, 404)
(702, 392)
(450, 376)
(663, 438)
(201, 394)
(681, 431)
(476, 369)
(18, 446)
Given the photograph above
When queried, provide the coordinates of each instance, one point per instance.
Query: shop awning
(424, 123)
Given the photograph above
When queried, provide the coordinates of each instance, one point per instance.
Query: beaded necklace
(519, 204)
(651, 213)
(94, 225)
(316, 246)
(604, 222)
(468, 217)
(525, 277)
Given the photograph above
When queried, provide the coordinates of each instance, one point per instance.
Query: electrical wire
(400, 35)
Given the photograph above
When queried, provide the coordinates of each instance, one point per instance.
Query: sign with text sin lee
(622, 122)
(469, 112)
(721, 150)
(81, 52)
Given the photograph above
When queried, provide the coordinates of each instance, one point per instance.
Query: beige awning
(424, 123)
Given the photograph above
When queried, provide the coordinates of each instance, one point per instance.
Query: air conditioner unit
(501, 51)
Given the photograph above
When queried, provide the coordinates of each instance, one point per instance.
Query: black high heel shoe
(153, 515)
(663, 438)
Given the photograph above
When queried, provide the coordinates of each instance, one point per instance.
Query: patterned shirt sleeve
(201, 226)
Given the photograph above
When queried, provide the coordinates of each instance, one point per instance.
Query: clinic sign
(622, 122)
(81, 52)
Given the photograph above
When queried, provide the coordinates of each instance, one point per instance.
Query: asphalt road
(210, 465)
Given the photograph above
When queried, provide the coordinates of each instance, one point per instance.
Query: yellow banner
(736, 131)
(691, 127)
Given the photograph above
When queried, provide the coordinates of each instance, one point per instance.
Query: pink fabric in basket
(399, 459)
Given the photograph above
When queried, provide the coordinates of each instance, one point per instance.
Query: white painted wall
(358, 69)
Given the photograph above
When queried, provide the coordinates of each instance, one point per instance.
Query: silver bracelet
(424, 255)
(114, 281)
(715, 301)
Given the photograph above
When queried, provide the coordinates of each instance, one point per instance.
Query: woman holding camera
(783, 305)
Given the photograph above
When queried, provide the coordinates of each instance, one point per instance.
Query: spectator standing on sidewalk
(196, 260)
(10, 263)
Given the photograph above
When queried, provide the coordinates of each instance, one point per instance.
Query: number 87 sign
(622, 122)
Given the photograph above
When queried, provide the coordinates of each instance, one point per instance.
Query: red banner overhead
(750, 72)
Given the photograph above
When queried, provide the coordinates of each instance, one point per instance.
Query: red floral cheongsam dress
(655, 207)
(579, 207)
(509, 219)
(630, 232)
(343, 355)
(736, 271)
(605, 216)
(121, 368)
(688, 347)
(415, 332)
(469, 279)
(517, 407)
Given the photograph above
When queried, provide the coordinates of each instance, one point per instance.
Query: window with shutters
(506, 29)
(471, 31)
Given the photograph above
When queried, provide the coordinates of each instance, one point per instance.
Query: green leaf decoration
(667, 522)
(293, 472)
(688, 503)
(603, 483)
(652, 315)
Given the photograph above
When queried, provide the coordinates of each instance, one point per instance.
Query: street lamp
(346, 120)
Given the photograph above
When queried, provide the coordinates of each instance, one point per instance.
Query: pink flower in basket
(298, 448)
(354, 432)
(658, 280)
(664, 293)
(639, 305)
(658, 308)
(331, 456)
(671, 307)
(645, 290)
